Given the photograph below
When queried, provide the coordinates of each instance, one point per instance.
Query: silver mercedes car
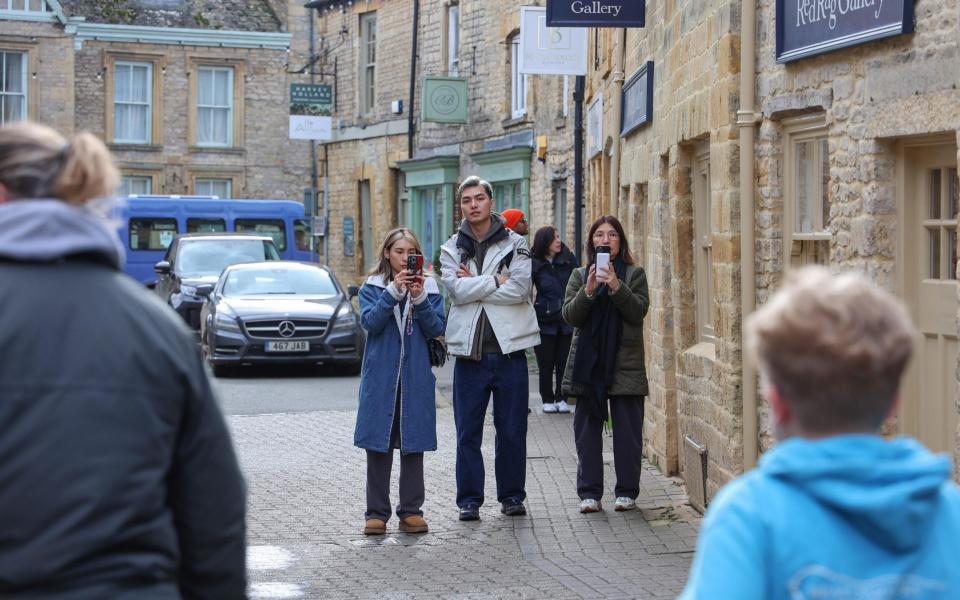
(279, 312)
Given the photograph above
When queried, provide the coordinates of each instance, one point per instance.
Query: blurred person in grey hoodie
(117, 475)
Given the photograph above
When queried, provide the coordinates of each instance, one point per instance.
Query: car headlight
(225, 322)
(345, 319)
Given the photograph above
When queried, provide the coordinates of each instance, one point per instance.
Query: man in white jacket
(485, 268)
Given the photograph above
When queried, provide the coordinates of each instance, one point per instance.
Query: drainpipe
(747, 121)
(413, 77)
(616, 112)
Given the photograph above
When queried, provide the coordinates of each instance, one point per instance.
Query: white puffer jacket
(508, 308)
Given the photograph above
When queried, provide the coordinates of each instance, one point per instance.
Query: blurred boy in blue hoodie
(834, 510)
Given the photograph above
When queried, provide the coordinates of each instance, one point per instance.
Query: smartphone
(415, 264)
(603, 257)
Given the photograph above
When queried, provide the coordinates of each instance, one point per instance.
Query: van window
(301, 234)
(196, 225)
(272, 227)
(152, 234)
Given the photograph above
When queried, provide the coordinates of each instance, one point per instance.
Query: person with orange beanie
(516, 220)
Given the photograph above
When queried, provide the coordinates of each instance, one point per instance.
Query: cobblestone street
(306, 503)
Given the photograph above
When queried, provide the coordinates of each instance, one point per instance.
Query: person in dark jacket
(117, 474)
(607, 307)
(552, 265)
(400, 311)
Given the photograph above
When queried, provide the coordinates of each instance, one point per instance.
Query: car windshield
(199, 258)
(250, 282)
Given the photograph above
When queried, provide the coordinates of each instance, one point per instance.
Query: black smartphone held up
(415, 264)
(603, 257)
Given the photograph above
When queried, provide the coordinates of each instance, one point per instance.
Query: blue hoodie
(848, 517)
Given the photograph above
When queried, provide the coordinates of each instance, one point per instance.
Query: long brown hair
(623, 254)
(38, 162)
(393, 236)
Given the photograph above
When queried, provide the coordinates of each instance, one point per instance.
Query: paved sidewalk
(306, 507)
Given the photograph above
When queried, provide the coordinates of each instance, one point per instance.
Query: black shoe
(513, 509)
(470, 513)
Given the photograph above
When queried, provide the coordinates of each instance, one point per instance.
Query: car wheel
(218, 370)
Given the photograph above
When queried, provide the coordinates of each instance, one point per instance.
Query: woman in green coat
(606, 362)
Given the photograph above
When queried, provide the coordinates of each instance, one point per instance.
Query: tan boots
(411, 524)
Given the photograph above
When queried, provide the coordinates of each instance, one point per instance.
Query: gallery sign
(637, 99)
(444, 100)
(548, 50)
(596, 13)
(811, 27)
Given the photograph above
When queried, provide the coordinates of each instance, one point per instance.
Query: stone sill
(216, 150)
(516, 121)
(119, 147)
(703, 350)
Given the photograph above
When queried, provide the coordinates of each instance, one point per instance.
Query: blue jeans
(473, 381)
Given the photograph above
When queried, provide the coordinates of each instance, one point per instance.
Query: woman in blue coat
(400, 311)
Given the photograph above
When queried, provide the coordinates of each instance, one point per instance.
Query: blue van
(147, 225)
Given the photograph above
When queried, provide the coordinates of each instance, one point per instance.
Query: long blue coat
(393, 355)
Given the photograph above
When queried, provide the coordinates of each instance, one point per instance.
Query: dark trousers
(551, 361)
(504, 376)
(379, 465)
(627, 415)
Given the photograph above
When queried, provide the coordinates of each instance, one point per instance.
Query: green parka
(632, 300)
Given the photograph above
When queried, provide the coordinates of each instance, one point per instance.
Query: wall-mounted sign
(595, 127)
(596, 13)
(348, 236)
(810, 27)
(310, 109)
(444, 100)
(550, 50)
(637, 99)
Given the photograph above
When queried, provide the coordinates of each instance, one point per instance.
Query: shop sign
(637, 100)
(595, 127)
(550, 50)
(444, 100)
(811, 27)
(596, 13)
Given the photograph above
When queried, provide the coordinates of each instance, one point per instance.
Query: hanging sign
(637, 100)
(811, 27)
(444, 100)
(550, 50)
(348, 236)
(595, 127)
(310, 109)
(596, 13)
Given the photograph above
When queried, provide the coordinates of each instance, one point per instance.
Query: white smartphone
(603, 258)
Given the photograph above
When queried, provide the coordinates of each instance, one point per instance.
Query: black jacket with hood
(117, 475)
(550, 278)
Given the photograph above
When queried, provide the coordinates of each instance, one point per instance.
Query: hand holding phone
(415, 264)
(603, 258)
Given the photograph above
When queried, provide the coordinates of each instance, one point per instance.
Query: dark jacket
(117, 475)
(550, 279)
(632, 300)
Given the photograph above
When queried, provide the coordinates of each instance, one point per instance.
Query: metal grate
(695, 472)
(270, 329)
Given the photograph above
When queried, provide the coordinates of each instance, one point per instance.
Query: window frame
(214, 69)
(235, 175)
(452, 40)
(133, 64)
(367, 90)
(804, 247)
(239, 66)
(560, 199)
(129, 176)
(519, 82)
(25, 95)
(703, 231)
(158, 65)
(198, 180)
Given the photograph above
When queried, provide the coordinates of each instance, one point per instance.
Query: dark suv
(195, 259)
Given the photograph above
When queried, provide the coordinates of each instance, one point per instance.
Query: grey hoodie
(50, 230)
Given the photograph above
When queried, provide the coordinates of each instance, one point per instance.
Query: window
(132, 102)
(13, 86)
(152, 234)
(806, 205)
(940, 223)
(560, 206)
(271, 227)
(703, 246)
(208, 186)
(453, 41)
(140, 185)
(506, 195)
(197, 225)
(368, 62)
(214, 106)
(518, 82)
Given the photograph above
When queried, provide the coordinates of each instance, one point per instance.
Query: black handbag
(437, 351)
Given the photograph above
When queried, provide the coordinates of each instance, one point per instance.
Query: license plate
(287, 347)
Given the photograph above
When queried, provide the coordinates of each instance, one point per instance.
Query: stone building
(191, 98)
(845, 157)
(376, 182)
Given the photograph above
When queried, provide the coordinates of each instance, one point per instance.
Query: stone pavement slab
(306, 503)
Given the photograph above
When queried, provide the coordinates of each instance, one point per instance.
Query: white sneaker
(624, 503)
(549, 407)
(590, 506)
(563, 407)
